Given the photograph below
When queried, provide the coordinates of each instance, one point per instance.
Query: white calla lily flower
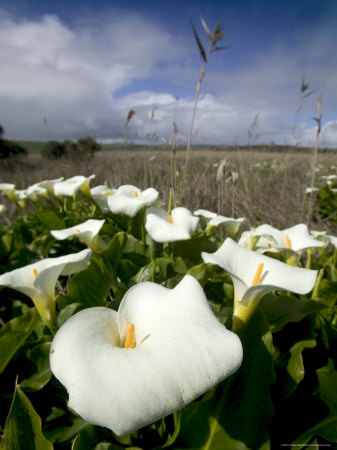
(72, 185)
(296, 238)
(309, 190)
(129, 199)
(49, 184)
(3, 208)
(205, 213)
(324, 237)
(161, 350)
(253, 240)
(34, 191)
(100, 195)
(254, 275)
(332, 240)
(38, 280)
(86, 232)
(21, 197)
(231, 225)
(9, 190)
(165, 227)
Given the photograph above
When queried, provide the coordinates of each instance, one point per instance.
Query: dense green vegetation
(284, 391)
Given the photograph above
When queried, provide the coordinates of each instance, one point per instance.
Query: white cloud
(75, 78)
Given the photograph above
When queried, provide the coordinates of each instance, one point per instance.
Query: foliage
(83, 148)
(283, 394)
(9, 149)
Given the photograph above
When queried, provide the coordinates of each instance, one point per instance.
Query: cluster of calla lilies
(170, 338)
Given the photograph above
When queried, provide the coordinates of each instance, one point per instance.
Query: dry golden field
(262, 186)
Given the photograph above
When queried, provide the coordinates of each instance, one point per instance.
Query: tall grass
(268, 187)
(213, 39)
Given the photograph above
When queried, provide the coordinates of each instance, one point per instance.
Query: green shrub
(84, 147)
(9, 149)
(54, 150)
(88, 146)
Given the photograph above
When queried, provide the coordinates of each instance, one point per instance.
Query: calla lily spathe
(72, 185)
(231, 225)
(86, 232)
(181, 351)
(165, 227)
(296, 238)
(38, 280)
(35, 191)
(9, 190)
(325, 238)
(128, 199)
(242, 265)
(100, 195)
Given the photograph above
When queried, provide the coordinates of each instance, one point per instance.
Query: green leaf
(327, 377)
(39, 355)
(199, 44)
(14, 334)
(89, 438)
(23, 426)
(91, 286)
(239, 413)
(176, 429)
(295, 365)
(326, 428)
(69, 432)
(66, 313)
(191, 249)
(50, 220)
(282, 309)
(200, 272)
(146, 273)
(135, 246)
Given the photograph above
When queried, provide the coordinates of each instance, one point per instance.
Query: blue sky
(82, 65)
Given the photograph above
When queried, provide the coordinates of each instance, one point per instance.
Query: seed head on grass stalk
(318, 119)
(129, 116)
(214, 37)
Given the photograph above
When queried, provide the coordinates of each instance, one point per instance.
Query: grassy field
(261, 186)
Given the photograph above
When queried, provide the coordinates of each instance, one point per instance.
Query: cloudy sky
(69, 67)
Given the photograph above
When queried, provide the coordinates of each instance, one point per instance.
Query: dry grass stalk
(314, 158)
(271, 193)
(214, 37)
(129, 116)
(220, 183)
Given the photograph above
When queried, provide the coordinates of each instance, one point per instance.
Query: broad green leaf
(89, 438)
(127, 270)
(327, 292)
(14, 333)
(200, 272)
(295, 365)
(239, 413)
(327, 377)
(70, 432)
(66, 313)
(135, 246)
(146, 273)
(326, 428)
(39, 355)
(176, 429)
(23, 426)
(50, 220)
(191, 249)
(282, 309)
(91, 286)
